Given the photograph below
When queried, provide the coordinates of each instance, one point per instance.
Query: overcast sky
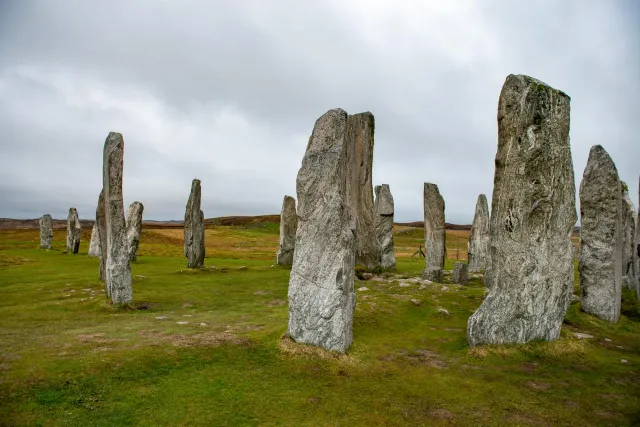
(228, 92)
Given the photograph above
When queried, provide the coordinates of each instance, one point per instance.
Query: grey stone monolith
(117, 267)
(321, 294)
(101, 223)
(460, 273)
(288, 227)
(384, 210)
(629, 272)
(134, 228)
(478, 246)
(600, 263)
(94, 243)
(533, 213)
(194, 228)
(74, 229)
(434, 233)
(46, 232)
(637, 247)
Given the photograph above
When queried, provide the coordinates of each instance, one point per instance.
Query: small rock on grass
(580, 335)
(182, 323)
(416, 301)
(162, 317)
(367, 276)
(364, 288)
(443, 311)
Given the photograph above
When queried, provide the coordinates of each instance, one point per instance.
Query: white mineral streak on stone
(117, 268)
(73, 231)
(434, 233)
(460, 273)
(194, 228)
(46, 232)
(384, 210)
(478, 246)
(600, 262)
(321, 286)
(629, 272)
(134, 228)
(94, 244)
(532, 215)
(101, 223)
(288, 227)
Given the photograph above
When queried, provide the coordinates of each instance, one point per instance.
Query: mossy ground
(67, 357)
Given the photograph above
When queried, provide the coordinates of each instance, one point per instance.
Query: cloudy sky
(228, 92)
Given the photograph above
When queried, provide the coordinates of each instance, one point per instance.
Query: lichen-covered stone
(288, 227)
(460, 274)
(321, 290)
(478, 246)
(134, 228)
(629, 272)
(94, 244)
(101, 223)
(46, 232)
(74, 229)
(532, 216)
(194, 228)
(600, 262)
(384, 209)
(434, 232)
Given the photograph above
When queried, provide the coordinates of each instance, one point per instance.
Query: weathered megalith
(532, 215)
(460, 274)
(434, 233)
(478, 246)
(360, 132)
(321, 294)
(117, 268)
(134, 228)
(600, 263)
(288, 227)
(94, 244)
(194, 228)
(637, 247)
(74, 229)
(629, 272)
(384, 209)
(101, 224)
(46, 232)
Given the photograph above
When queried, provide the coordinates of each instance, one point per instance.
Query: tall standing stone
(321, 294)
(117, 268)
(434, 233)
(288, 227)
(360, 133)
(384, 210)
(600, 263)
(478, 246)
(94, 244)
(101, 223)
(73, 231)
(134, 228)
(194, 228)
(637, 247)
(532, 215)
(46, 232)
(629, 272)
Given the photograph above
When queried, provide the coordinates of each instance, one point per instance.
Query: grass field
(207, 347)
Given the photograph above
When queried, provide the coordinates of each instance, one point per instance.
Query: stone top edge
(529, 80)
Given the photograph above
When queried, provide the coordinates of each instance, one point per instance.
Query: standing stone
(460, 274)
(637, 247)
(117, 268)
(478, 246)
(73, 231)
(600, 263)
(46, 232)
(101, 223)
(360, 132)
(629, 272)
(384, 209)
(288, 227)
(94, 244)
(194, 228)
(134, 228)
(321, 294)
(532, 216)
(434, 233)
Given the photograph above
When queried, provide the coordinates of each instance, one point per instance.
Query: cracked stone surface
(134, 228)
(478, 246)
(194, 248)
(288, 228)
(74, 229)
(46, 232)
(384, 210)
(434, 233)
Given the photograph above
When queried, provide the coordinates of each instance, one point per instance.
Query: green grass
(67, 357)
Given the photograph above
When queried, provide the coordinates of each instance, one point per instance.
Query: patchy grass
(207, 347)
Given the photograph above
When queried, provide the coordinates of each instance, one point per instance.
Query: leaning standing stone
(134, 228)
(629, 272)
(288, 227)
(532, 215)
(73, 231)
(384, 209)
(46, 232)
(600, 262)
(94, 244)
(434, 233)
(460, 274)
(478, 246)
(194, 228)
(321, 294)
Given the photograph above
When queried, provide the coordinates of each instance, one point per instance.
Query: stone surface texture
(134, 228)
(434, 232)
(384, 210)
(94, 244)
(321, 286)
(194, 228)
(46, 232)
(629, 272)
(532, 216)
(288, 228)
(74, 229)
(460, 274)
(478, 246)
(600, 262)
(637, 246)
(101, 222)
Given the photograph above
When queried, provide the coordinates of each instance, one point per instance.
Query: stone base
(433, 274)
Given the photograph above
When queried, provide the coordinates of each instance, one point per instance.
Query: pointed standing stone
(288, 227)
(194, 228)
(600, 262)
(532, 216)
(73, 231)
(117, 268)
(134, 228)
(94, 244)
(321, 294)
(46, 232)
(384, 209)
(629, 272)
(101, 223)
(478, 246)
(434, 233)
